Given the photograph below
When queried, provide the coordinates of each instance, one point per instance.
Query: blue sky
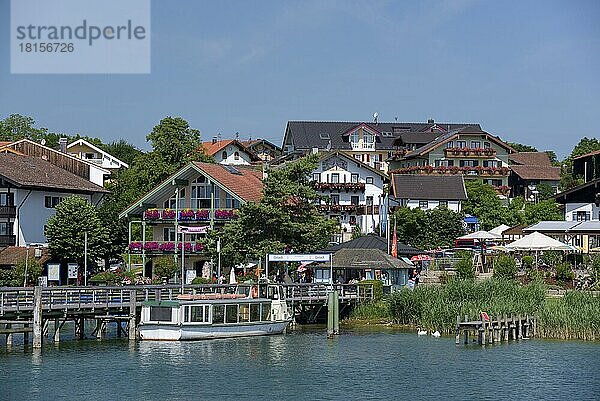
(527, 71)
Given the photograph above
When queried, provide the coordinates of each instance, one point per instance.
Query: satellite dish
(43, 141)
(375, 115)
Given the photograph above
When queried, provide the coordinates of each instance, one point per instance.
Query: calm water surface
(302, 365)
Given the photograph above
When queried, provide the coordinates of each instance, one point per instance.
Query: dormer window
(236, 156)
(354, 137)
(224, 155)
(368, 138)
(324, 135)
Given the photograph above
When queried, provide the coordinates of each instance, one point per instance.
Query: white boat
(263, 311)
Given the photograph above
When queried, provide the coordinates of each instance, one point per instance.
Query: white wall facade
(242, 157)
(453, 205)
(345, 170)
(589, 210)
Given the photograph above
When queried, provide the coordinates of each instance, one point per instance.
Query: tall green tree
(122, 150)
(428, 229)
(65, 232)
(286, 218)
(542, 211)
(519, 147)
(483, 202)
(175, 141)
(16, 126)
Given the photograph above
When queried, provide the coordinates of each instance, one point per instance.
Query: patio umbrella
(499, 230)
(232, 279)
(480, 235)
(537, 241)
(420, 258)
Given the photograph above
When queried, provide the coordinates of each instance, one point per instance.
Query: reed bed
(575, 316)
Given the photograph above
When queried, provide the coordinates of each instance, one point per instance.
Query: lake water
(377, 364)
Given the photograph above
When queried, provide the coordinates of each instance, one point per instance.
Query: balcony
(340, 186)
(470, 152)
(453, 170)
(8, 212)
(165, 247)
(354, 209)
(8, 240)
(189, 215)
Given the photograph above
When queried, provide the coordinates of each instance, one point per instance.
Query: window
(236, 156)
(51, 201)
(160, 314)
(201, 193)
(6, 228)
(461, 144)
(168, 234)
(231, 202)
(354, 200)
(170, 203)
(254, 312)
(218, 313)
(369, 180)
(475, 144)
(224, 155)
(486, 145)
(199, 313)
(354, 178)
(443, 203)
(469, 163)
(581, 216)
(354, 137)
(7, 199)
(231, 314)
(450, 144)
(490, 163)
(335, 199)
(324, 135)
(316, 177)
(369, 201)
(368, 139)
(423, 204)
(335, 178)
(440, 162)
(265, 312)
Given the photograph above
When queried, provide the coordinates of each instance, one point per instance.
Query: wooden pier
(30, 310)
(492, 331)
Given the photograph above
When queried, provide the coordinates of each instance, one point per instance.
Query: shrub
(535, 275)
(372, 310)
(165, 268)
(564, 272)
(596, 268)
(527, 261)
(201, 280)
(505, 267)
(464, 267)
(364, 288)
(551, 258)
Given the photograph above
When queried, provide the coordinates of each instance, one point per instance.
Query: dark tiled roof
(428, 187)
(33, 172)
(247, 185)
(416, 138)
(11, 255)
(531, 158)
(318, 134)
(595, 152)
(529, 172)
(372, 241)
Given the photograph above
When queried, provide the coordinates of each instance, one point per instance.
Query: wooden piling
(457, 334)
(9, 336)
(56, 336)
(37, 317)
(132, 310)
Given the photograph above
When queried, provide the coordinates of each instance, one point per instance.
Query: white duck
(436, 334)
(421, 332)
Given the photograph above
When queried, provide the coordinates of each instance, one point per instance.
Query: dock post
(330, 314)
(132, 312)
(37, 317)
(56, 336)
(25, 334)
(336, 312)
(481, 334)
(506, 328)
(457, 329)
(80, 327)
(526, 327)
(513, 327)
(9, 336)
(520, 327)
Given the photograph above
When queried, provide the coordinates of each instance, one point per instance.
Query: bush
(165, 268)
(105, 277)
(596, 268)
(364, 288)
(535, 275)
(505, 267)
(564, 273)
(372, 310)
(551, 258)
(201, 280)
(14, 276)
(527, 261)
(464, 267)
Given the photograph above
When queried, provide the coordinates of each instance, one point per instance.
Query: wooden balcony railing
(470, 152)
(8, 240)
(8, 212)
(343, 186)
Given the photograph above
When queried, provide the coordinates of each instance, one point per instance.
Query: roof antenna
(375, 115)
(396, 119)
(237, 135)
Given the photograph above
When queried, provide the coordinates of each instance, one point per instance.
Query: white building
(352, 191)
(229, 151)
(30, 189)
(93, 154)
(428, 191)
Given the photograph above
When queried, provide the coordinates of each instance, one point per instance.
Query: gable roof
(83, 142)
(33, 172)
(318, 134)
(595, 152)
(529, 172)
(253, 142)
(242, 182)
(4, 143)
(530, 158)
(14, 254)
(212, 148)
(373, 241)
(327, 155)
(579, 193)
(428, 187)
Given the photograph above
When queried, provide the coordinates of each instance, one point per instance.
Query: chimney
(430, 121)
(214, 140)
(62, 142)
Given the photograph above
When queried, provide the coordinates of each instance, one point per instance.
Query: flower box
(202, 214)
(167, 247)
(151, 214)
(136, 246)
(168, 214)
(151, 246)
(187, 214)
(224, 214)
(199, 247)
(187, 247)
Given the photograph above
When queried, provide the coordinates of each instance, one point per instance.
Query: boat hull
(165, 332)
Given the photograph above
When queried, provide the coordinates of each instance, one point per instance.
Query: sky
(527, 71)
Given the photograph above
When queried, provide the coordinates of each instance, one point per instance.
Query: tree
(14, 277)
(584, 146)
(545, 191)
(122, 150)
(486, 206)
(16, 126)
(175, 141)
(428, 229)
(465, 270)
(505, 267)
(165, 267)
(542, 211)
(519, 147)
(286, 218)
(65, 232)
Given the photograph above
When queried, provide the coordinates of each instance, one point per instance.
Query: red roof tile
(13, 254)
(548, 173)
(247, 185)
(212, 148)
(531, 158)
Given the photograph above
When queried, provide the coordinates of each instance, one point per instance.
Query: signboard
(190, 275)
(310, 257)
(72, 270)
(43, 281)
(53, 271)
(193, 230)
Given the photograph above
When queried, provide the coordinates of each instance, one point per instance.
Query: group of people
(414, 278)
